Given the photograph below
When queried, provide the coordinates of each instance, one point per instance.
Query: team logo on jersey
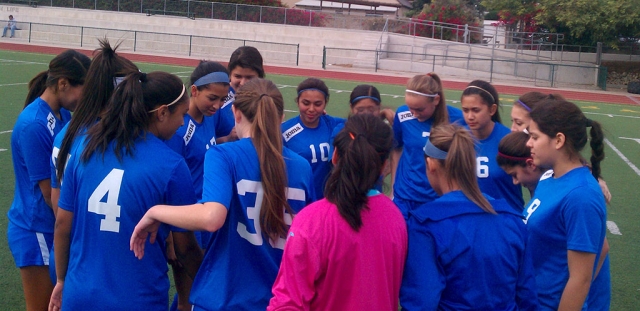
(230, 97)
(191, 129)
(546, 175)
(405, 116)
(51, 123)
(293, 131)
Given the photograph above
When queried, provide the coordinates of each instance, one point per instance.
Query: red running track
(586, 95)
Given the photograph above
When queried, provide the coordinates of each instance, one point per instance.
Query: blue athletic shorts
(29, 248)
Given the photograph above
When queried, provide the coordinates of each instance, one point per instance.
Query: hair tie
(429, 75)
(359, 98)
(479, 88)
(352, 136)
(430, 150)
(263, 95)
(173, 102)
(589, 122)
(313, 89)
(143, 77)
(527, 108)
(514, 158)
(420, 93)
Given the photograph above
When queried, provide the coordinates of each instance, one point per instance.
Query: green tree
(584, 22)
(591, 21)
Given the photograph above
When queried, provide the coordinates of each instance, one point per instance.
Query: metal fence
(286, 16)
(156, 42)
(530, 72)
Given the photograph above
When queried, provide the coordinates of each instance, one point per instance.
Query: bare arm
(387, 114)
(209, 216)
(395, 158)
(225, 139)
(603, 254)
(189, 255)
(605, 190)
(45, 188)
(55, 197)
(61, 239)
(577, 288)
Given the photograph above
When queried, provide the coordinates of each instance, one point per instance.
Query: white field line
(5, 132)
(14, 84)
(1, 150)
(11, 61)
(634, 99)
(631, 165)
(282, 86)
(613, 228)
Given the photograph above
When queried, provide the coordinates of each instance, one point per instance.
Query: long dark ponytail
(107, 68)
(128, 116)
(70, 64)
(560, 116)
(362, 148)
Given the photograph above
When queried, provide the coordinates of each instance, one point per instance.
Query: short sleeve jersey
(31, 148)
(565, 213)
(451, 234)
(224, 120)
(313, 145)
(108, 198)
(411, 135)
(241, 264)
(191, 141)
(57, 143)
(492, 179)
(76, 146)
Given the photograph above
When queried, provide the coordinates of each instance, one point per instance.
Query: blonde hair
(460, 164)
(431, 84)
(262, 104)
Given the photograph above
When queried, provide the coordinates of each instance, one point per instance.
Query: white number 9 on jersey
(109, 186)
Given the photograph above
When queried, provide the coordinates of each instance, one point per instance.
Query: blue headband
(213, 77)
(433, 152)
(313, 89)
(355, 100)
(523, 105)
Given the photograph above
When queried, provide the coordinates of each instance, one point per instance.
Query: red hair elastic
(508, 157)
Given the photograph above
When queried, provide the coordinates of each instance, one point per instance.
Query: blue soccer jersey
(241, 263)
(463, 258)
(191, 141)
(224, 119)
(565, 213)
(108, 198)
(599, 298)
(57, 143)
(31, 149)
(492, 179)
(313, 145)
(411, 183)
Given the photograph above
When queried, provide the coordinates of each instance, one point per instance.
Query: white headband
(421, 94)
(173, 102)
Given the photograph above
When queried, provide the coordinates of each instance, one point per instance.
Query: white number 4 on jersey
(109, 186)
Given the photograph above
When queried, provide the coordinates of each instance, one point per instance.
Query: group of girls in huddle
(256, 212)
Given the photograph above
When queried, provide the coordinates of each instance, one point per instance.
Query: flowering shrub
(454, 12)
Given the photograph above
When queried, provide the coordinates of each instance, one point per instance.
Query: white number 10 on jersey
(253, 212)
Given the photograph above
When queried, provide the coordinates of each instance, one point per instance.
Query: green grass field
(619, 169)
